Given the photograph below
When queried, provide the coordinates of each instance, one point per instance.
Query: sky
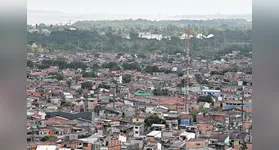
(144, 7)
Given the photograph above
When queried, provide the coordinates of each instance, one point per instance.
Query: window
(198, 144)
(137, 132)
(136, 127)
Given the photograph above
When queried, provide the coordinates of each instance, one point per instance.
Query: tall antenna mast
(186, 80)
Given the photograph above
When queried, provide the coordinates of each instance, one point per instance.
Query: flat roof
(158, 125)
(155, 134)
(211, 90)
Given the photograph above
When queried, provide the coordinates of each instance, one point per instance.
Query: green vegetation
(182, 83)
(216, 109)
(56, 75)
(48, 137)
(30, 63)
(66, 104)
(205, 99)
(198, 78)
(69, 83)
(89, 74)
(127, 78)
(87, 85)
(104, 85)
(244, 146)
(161, 92)
(111, 66)
(106, 36)
(61, 63)
(131, 66)
(153, 119)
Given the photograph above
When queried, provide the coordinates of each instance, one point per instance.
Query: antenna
(186, 80)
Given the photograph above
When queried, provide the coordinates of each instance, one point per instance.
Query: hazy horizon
(56, 11)
(57, 17)
(144, 7)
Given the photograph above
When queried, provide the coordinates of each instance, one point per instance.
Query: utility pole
(113, 103)
(242, 99)
(164, 47)
(102, 48)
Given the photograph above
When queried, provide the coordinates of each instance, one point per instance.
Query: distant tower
(207, 67)
(186, 80)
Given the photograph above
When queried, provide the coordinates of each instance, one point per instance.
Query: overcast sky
(144, 7)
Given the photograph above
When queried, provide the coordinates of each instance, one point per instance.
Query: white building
(187, 136)
(150, 36)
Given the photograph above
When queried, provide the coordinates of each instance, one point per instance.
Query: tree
(69, 83)
(48, 137)
(131, 66)
(180, 74)
(89, 74)
(151, 69)
(204, 82)
(216, 109)
(30, 63)
(87, 85)
(90, 37)
(217, 88)
(161, 92)
(112, 66)
(205, 99)
(104, 85)
(244, 146)
(198, 78)
(127, 78)
(66, 104)
(56, 75)
(153, 119)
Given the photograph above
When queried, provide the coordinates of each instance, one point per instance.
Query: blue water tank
(185, 122)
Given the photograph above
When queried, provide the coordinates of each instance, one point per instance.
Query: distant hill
(224, 16)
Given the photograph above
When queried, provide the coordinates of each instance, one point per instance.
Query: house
(210, 92)
(195, 143)
(153, 135)
(171, 120)
(186, 136)
(68, 96)
(178, 145)
(238, 138)
(219, 141)
(249, 146)
(130, 112)
(205, 128)
(158, 127)
(138, 129)
(150, 147)
(185, 119)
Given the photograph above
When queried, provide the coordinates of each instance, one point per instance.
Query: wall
(138, 120)
(195, 144)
